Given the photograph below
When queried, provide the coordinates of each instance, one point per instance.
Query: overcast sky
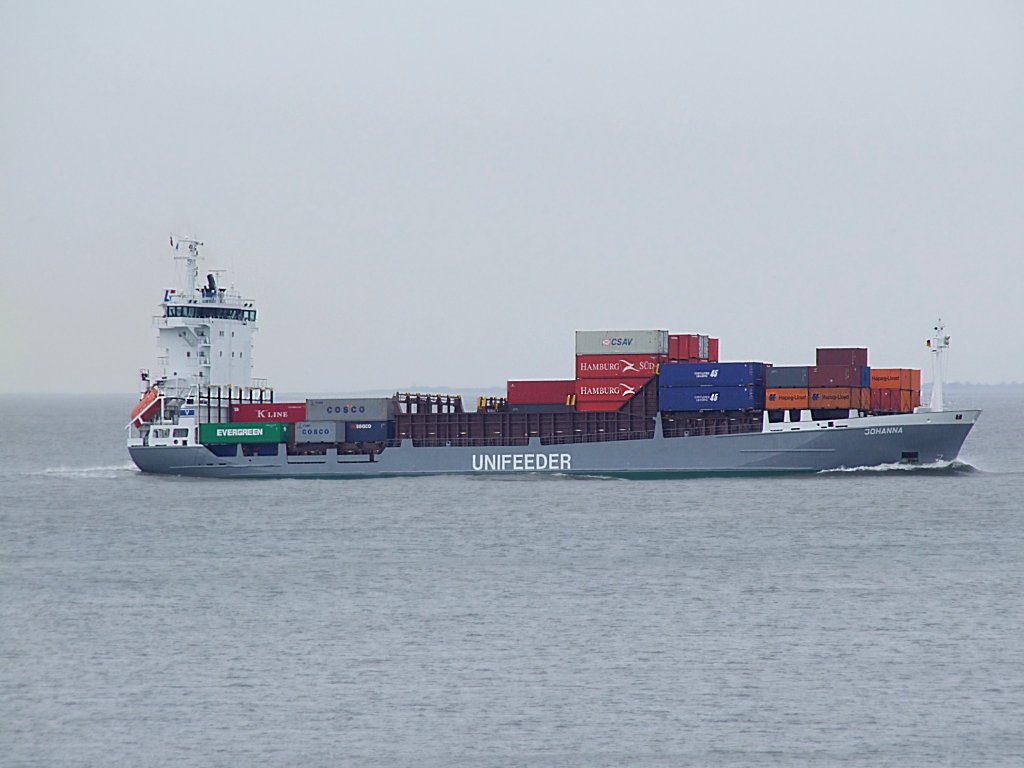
(440, 193)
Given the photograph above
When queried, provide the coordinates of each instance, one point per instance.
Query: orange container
(890, 378)
(865, 399)
(915, 381)
(791, 398)
(835, 397)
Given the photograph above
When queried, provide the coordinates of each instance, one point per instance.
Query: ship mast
(938, 344)
(191, 259)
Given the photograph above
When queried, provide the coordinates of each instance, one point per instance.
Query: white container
(351, 409)
(621, 342)
(316, 432)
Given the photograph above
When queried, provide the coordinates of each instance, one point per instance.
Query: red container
(907, 401)
(833, 376)
(688, 348)
(623, 367)
(251, 412)
(598, 407)
(537, 392)
(887, 400)
(854, 357)
(678, 346)
(606, 390)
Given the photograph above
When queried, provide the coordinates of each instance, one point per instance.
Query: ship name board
(521, 462)
(884, 431)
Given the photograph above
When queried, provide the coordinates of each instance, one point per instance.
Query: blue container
(865, 377)
(368, 431)
(710, 398)
(786, 377)
(711, 374)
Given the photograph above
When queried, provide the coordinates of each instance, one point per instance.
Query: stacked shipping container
(895, 390)
(611, 396)
(787, 388)
(842, 380)
(613, 366)
(692, 348)
(838, 381)
(711, 386)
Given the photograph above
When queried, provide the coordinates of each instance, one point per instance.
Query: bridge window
(217, 313)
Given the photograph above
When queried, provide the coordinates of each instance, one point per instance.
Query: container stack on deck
(839, 382)
(711, 398)
(613, 366)
(895, 390)
(623, 380)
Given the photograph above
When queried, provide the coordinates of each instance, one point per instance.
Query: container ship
(642, 403)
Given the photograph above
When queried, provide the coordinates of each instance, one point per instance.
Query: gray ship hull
(784, 448)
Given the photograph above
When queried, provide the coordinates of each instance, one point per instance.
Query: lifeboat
(147, 407)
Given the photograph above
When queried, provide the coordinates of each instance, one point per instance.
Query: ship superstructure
(204, 341)
(205, 331)
(644, 403)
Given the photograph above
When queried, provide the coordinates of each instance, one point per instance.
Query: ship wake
(955, 467)
(90, 473)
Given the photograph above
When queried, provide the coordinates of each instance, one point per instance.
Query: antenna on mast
(938, 344)
(191, 259)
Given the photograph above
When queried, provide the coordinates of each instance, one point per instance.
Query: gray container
(316, 432)
(350, 409)
(621, 342)
(786, 376)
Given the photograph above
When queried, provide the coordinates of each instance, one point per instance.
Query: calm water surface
(848, 618)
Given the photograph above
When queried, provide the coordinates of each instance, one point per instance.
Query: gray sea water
(873, 617)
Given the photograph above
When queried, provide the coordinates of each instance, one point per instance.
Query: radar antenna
(938, 344)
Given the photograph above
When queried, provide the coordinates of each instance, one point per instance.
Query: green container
(254, 432)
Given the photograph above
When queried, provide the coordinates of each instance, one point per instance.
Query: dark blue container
(711, 374)
(369, 431)
(786, 377)
(865, 377)
(710, 398)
